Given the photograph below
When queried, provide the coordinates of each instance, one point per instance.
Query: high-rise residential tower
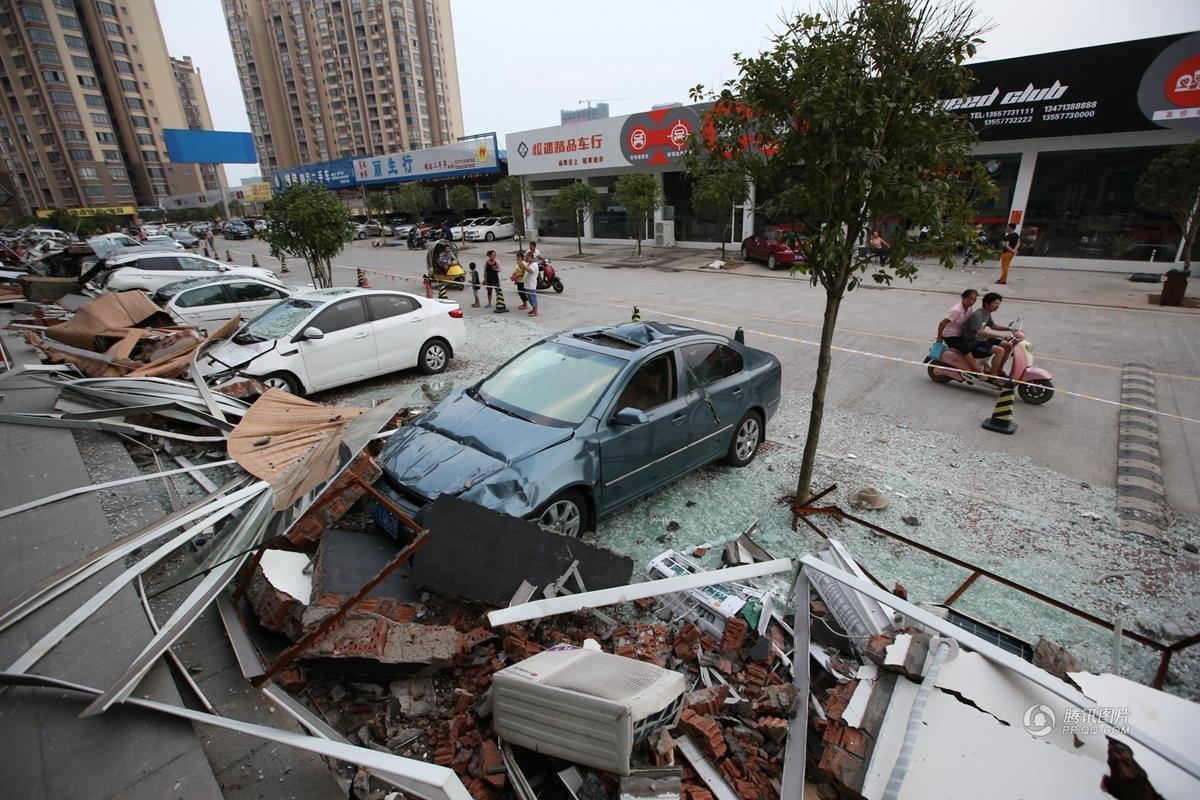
(86, 89)
(326, 79)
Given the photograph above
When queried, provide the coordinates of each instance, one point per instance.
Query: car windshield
(552, 382)
(277, 321)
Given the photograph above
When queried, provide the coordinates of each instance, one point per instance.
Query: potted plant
(1171, 186)
(1175, 287)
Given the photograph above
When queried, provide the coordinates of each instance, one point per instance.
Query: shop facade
(1064, 135)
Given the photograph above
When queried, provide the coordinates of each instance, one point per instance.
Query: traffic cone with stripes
(500, 307)
(637, 314)
(254, 259)
(361, 277)
(283, 266)
(228, 257)
(1001, 420)
(442, 293)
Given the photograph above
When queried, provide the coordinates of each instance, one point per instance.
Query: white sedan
(323, 338)
(151, 271)
(209, 302)
(491, 228)
(165, 241)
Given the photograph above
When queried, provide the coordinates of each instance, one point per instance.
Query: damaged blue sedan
(584, 422)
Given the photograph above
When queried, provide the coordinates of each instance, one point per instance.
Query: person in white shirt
(950, 328)
(530, 281)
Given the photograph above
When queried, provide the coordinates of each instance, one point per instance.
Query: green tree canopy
(413, 198)
(842, 123)
(309, 222)
(1171, 186)
(461, 199)
(639, 194)
(378, 203)
(578, 200)
(509, 194)
(718, 185)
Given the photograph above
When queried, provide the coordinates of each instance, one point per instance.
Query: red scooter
(1035, 386)
(547, 278)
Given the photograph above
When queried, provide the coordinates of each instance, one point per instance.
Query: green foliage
(640, 195)
(82, 226)
(579, 200)
(718, 185)
(309, 222)
(461, 199)
(235, 208)
(849, 106)
(413, 198)
(1171, 186)
(198, 214)
(378, 203)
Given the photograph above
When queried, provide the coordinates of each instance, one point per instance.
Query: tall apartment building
(195, 113)
(326, 79)
(86, 89)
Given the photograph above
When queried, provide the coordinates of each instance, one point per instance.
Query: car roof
(337, 292)
(145, 252)
(172, 289)
(630, 337)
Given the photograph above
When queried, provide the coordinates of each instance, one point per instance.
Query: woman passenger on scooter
(950, 328)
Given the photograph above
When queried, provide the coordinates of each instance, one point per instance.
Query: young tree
(640, 196)
(509, 194)
(579, 200)
(413, 198)
(461, 200)
(718, 184)
(842, 122)
(378, 203)
(235, 208)
(309, 222)
(1171, 186)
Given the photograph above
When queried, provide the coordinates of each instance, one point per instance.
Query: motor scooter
(417, 242)
(547, 277)
(1036, 385)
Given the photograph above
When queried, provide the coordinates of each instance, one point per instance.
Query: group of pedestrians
(525, 276)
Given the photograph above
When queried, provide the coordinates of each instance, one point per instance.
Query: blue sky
(521, 61)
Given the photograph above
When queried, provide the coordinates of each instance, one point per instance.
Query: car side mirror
(310, 333)
(630, 416)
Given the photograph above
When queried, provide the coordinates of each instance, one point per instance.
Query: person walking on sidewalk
(531, 279)
(491, 276)
(518, 277)
(1011, 245)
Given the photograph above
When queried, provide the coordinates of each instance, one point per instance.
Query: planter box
(1174, 289)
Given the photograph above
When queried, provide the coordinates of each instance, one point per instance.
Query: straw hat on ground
(869, 498)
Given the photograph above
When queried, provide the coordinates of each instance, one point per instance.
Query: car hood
(231, 355)
(462, 443)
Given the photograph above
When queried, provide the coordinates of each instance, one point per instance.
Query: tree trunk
(833, 301)
(579, 232)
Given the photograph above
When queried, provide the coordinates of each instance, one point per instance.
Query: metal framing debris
(98, 487)
(999, 657)
(711, 776)
(795, 751)
(634, 591)
(171, 654)
(418, 778)
(1165, 651)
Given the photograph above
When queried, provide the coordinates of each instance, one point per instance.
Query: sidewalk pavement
(1030, 284)
(124, 753)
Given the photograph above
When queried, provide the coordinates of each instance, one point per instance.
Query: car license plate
(385, 518)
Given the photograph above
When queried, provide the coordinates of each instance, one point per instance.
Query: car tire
(489, 236)
(434, 357)
(284, 382)
(772, 263)
(747, 437)
(566, 514)
(745, 253)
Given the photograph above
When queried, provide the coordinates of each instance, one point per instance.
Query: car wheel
(489, 236)
(434, 356)
(284, 382)
(745, 253)
(566, 514)
(747, 436)
(1036, 392)
(771, 262)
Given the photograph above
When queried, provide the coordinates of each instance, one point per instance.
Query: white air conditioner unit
(709, 606)
(664, 233)
(584, 705)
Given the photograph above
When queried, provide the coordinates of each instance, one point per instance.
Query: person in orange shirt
(1011, 245)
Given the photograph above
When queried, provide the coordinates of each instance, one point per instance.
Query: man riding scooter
(980, 336)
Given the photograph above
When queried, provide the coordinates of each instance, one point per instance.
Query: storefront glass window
(611, 221)
(692, 225)
(549, 222)
(993, 214)
(1081, 205)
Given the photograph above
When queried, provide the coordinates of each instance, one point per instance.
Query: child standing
(474, 284)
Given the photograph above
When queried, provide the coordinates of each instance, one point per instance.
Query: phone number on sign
(1008, 120)
(1070, 107)
(1068, 115)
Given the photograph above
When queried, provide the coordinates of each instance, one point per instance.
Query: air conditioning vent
(664, 233)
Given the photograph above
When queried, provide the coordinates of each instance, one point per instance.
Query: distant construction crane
(602, 100)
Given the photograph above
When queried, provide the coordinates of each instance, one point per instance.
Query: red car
(769, 246)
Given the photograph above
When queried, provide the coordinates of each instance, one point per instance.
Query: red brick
(707, 700)
(843, 766)
(493, 761)
(664, 750)
(855, 741)
(705, 731)
(736, 630)
(689, 633)
(746, 790)
(773, 727)
(444, 756)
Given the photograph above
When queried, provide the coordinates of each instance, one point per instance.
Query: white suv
(152, 271)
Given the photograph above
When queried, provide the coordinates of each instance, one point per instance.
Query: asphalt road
(1083, 346)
